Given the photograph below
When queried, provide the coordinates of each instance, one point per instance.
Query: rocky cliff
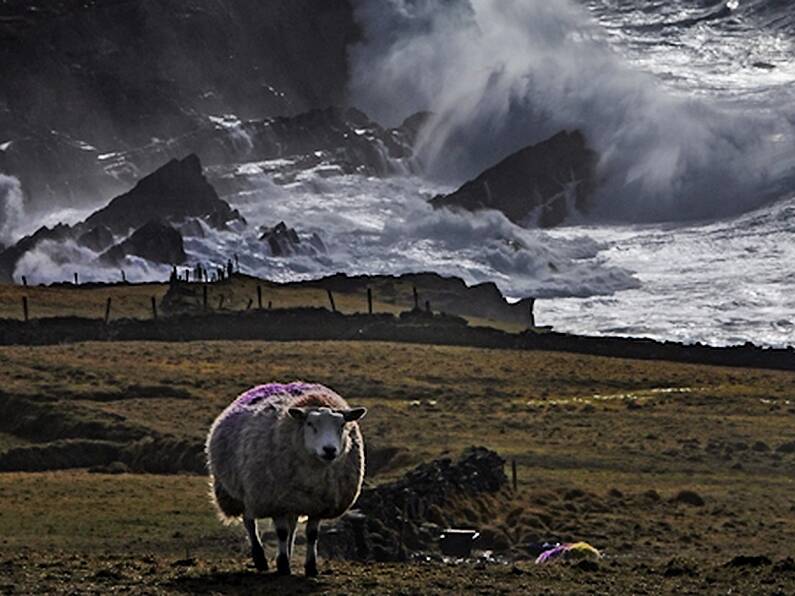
(83, 77)
(176, 191)
(538, 185)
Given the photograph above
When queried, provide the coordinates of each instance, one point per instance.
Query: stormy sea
(688, 106)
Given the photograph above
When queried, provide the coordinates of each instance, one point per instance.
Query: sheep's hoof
(283, 565)
(310, 569)
(260, 562)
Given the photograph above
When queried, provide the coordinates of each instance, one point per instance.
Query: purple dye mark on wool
(264, 392)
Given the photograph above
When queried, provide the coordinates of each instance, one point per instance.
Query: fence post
(77, 279)
(107, 310)
(250, 302)
(369, 301)
(259, 297)
(25, 308)
(154, 308)
(416, 299)
(24, 281)
(532, 314)
(123, 277)
(331, 301)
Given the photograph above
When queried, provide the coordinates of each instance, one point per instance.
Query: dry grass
(134, 300)
(570, 421)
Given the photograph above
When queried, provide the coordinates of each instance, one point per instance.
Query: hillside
(80, 78)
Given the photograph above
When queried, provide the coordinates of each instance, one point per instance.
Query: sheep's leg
(312, 533)
(257, 552)
(292, 522)
(283, 534)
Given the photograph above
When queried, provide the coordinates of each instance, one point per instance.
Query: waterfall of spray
(12, 208)
(501, 74)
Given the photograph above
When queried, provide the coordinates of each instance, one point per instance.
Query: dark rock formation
(98, 238)
(344, 140)
(538, 184)
(445, 294)
(178, 191)
(373, 529)
(53, 167)
(175, 191)
(114, 75)
(155, 241)
(11, 255)
(284, 242)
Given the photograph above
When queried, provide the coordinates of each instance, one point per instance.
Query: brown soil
(680, 474)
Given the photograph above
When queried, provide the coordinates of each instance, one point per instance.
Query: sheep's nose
(329, 452)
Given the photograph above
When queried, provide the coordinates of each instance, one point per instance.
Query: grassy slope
(571, 421)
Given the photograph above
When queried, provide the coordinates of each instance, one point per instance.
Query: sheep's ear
(354, 414)
(297, 413)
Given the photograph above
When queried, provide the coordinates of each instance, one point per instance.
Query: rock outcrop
(450, 295)
(426, 496)
(284, 242)
(11, 255)
(236, 153)
(98, 238)
(155, 241)
(538, 185)
(176, 191)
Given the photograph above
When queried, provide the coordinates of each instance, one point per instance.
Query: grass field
(135, 300)
(603, 448)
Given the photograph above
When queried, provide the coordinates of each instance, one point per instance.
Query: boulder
(284, 242)
(176, 191)
(155, 241)
(539, 184)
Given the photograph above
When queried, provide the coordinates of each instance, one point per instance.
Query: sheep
(284, 451)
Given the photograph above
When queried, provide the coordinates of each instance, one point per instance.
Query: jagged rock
(11, 255)
(341, 140)
(155, 241)
(175, 191)
(98, 238)
(538, 184)
(221, 218)
(284, 242)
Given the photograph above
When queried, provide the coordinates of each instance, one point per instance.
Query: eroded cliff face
(85, 77)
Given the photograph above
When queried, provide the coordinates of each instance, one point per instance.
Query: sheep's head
(326, 431)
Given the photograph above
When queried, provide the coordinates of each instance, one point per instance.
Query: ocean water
(690, 105)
